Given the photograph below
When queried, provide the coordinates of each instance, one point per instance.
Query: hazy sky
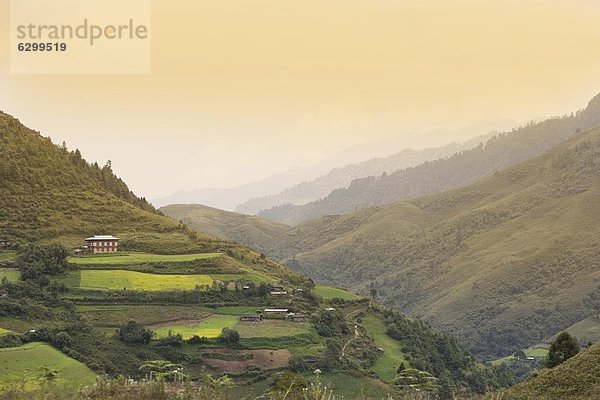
(241, 89)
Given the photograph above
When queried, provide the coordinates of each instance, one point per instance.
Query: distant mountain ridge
(462, 168)
(320, 187)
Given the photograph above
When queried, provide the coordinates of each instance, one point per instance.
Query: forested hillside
(502, 264)
(50, 193)
(320, 187)
(462, 168)
(258, 233)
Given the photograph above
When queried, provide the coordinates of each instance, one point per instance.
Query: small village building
(4, 243)
(330, 309)
(102, 244)
(251, 318)
(279, 293)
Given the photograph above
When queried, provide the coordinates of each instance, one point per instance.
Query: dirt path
(356, 334)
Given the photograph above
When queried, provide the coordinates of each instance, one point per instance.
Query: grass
(12, 274)
(389, 361)
(131, 280)
(115, 315)
(23, 365)
(576, 378)
(4, 331)
(348, 386)
(248, 275)
(534, 351)
(271, 328)
(210, 327)
(587, 330)
(138, 258)
(328, 293)
(8, 255)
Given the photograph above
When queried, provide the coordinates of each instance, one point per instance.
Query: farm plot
(138, 258)
(132, 280)
(115, 315)
(8, 255)
(24, 364)
(4, 331)
(210, 327)
(12, 274)
(271, 328)
(235, 362)
(387, 363)
(328, 293)
(247, 275)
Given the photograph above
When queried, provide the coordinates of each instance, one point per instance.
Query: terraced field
(8, 255)
(12, 274)
(271, 328)
(4, 331)
(115, 315)
(328, 293)
(209, 327)
(132, 280)
(138, 258)
(24, 365)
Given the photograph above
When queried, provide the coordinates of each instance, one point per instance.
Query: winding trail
(356, 332)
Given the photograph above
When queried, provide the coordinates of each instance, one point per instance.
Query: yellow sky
(240, 89)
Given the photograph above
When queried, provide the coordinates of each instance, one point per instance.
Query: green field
(131, 280)
(115, 315)
(138, 258)
(8, 255)
(12, 274)
(23, 364)
(210, 327)
(271, 328)
(389, 361)
(534, 351)
(4, 331)
(328, 292)
(248, 275)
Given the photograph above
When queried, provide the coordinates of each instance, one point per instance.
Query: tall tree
(562, 348)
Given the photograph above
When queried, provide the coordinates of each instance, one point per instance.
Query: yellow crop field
(132, 280)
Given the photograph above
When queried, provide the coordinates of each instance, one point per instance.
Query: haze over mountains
(462, 168)
(320, 187)
(230, 198)
(501, 263)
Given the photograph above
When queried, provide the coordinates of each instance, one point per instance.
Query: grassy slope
(22, 364)
(328, 293)
(256, 232)
(431, 177)
(388, 362)
(577, 378)
(504, 262)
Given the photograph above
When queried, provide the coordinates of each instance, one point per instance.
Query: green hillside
(577, 378)
(25, 365)
(50, 194)
(503, 263)
(258, 233)
(464, 167)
